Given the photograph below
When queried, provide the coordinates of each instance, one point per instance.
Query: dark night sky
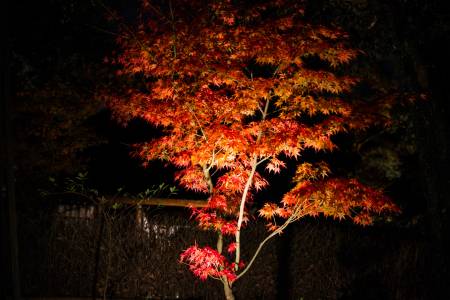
(51, 38)
(46, 35)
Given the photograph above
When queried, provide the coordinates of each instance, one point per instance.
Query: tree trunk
(228, 291)
(7, 176)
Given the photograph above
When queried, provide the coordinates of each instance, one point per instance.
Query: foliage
(53, 114)
(55, 71)
(240, 89)
(78, 185)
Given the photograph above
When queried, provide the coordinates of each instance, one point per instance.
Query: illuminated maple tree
(239, 89)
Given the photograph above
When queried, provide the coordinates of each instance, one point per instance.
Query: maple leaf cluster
(338, 198)
(237, 87)
(207, 262)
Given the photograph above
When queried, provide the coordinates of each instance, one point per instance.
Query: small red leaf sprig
(206, 262)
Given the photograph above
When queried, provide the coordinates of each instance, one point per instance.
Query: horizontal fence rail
(171, 202)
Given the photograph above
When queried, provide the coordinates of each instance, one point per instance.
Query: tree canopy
(238, 90)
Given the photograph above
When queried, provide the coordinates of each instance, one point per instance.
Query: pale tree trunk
(226, 287)
(228, 291)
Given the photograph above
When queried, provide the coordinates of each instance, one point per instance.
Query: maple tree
(238, 89)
